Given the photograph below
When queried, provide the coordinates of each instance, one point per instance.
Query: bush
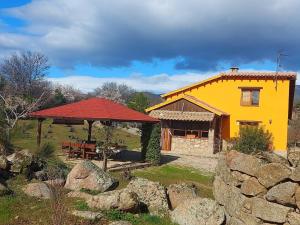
(145, 137)
(153, 149)
(46, 151)
(252, 139)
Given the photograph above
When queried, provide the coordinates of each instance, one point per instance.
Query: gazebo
(90, 110)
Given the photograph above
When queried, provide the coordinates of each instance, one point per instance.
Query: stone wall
(262, 189)
(193, 146)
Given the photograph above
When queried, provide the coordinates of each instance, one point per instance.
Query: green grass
(168, 174)
(24, 135)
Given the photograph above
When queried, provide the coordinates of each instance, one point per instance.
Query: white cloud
(159, 83)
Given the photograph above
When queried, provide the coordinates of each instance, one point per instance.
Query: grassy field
(21, 209)
(24, 135)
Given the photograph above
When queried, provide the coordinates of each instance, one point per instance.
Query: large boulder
(198, 211)
(271, 157)
(272, 173)
(39, 190)
(252, 187)
(3, 162)
(269, 211)
(283, 193)
(123, 200)
(86, 175)
(294, 157)
(242, 162)
(296, 174)
(4, 190)
(20, 161)
(223, 171)
(180, 192)
(152, 195)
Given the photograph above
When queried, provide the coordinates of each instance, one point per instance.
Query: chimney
(234, 69)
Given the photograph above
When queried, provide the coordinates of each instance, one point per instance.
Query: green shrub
(153, 149)
(46, 151)
(81, 205)
(252, 139)
(145, 137)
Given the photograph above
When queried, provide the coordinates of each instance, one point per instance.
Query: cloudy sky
(155, 45)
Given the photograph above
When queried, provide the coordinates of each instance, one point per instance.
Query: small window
(204, 134)
(249, 123)
(250, 97)
(179, 133)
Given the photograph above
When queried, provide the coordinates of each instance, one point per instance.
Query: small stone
(272, 173)
(296, 174)
(269, 211)
(297, 197)
(180, 192)
(120, 222)
(283, 193)
(123, 200)
(89, 215)
(242, 162)
(293, 218)
(241, 177)
(252, 187)
(39, 190)
(294, 157)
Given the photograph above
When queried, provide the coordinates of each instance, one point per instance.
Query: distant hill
(153, 98)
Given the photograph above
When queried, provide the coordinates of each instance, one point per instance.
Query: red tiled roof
(256, 74)
(94, 109)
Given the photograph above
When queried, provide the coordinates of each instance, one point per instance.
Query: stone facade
(194, 146)
(257, 190)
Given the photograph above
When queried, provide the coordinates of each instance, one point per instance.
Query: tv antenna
(279, 67)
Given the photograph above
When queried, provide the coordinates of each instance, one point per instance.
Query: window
(249, 123)
(190, 133)
(250, 96)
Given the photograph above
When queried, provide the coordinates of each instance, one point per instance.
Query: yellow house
(202, 117)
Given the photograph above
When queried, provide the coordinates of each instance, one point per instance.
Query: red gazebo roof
(94, 109)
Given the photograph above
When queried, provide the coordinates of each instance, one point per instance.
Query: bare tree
(113, 91)
(25, 72)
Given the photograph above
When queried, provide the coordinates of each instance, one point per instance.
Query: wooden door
(166, 139)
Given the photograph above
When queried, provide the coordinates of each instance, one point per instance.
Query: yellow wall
(225, 95)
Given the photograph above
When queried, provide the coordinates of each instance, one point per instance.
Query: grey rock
(39, 190)
(79, 194)
(59, 182)
(271, 157)
(242, 162)
(297, 197)
(180, 192)
(20, 160)
(151, 194)
(269, 211)
(41, 175)
(272, 173)
(293, 218)
(252, 187)
(241, 177)
(222, 170)
(294, 157)
(198, 211)
(283, 193)
(86, 175)
(296, 174)
(123, 200)
(3, 162)
(120, 222)
(89, 215)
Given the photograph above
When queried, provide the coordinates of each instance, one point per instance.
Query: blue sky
(156, 45)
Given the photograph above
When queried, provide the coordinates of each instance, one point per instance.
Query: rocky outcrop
(151, 194)
(20, 161)
(198, 211)
(123, 200)
(267, 194)
(178, 193)
(39, 190)
(79, 194)
(87, 175)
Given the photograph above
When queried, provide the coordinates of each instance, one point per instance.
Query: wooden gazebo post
(39, 132)
(90, 122)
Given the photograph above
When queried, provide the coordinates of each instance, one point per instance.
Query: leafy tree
(139, 102)
(153, 149)
(252, 139)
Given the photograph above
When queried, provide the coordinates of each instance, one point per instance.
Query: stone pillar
(211, 136)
